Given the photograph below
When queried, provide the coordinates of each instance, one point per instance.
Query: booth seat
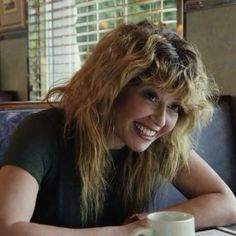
(11, 113)
(216, 143)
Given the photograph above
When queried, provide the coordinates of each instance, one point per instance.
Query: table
(219, 231)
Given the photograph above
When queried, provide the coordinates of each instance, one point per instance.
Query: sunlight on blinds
(62, 32)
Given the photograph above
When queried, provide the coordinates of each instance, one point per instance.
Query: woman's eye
(151, 96)
(176, 107)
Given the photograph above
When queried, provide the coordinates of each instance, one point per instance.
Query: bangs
(175, 84)
(178, 86)
(186, 83)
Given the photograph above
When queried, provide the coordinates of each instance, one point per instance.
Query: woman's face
(143, 113)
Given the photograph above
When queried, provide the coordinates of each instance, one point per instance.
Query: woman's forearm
(209, 210)
(32, 229)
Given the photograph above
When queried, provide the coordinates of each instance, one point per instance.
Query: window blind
(62, 32)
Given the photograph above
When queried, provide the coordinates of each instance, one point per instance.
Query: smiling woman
(142, 115)
(122, 124)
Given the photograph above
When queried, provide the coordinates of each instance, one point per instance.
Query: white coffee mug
(167, 223)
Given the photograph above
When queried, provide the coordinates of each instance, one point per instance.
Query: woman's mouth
(144, 131)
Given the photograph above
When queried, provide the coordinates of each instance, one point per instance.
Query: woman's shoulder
(42, 125)
(49, 117)
(50, 113)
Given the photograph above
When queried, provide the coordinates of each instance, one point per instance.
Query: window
(62, 32)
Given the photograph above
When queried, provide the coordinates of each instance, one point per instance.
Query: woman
(122, 123)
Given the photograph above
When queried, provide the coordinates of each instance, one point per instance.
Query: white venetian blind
(62, 32)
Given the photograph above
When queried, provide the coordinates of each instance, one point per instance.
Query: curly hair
(155, 55)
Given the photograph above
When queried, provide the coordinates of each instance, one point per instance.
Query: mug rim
(186, 216)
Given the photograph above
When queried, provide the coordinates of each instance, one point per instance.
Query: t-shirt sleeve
(31, 146)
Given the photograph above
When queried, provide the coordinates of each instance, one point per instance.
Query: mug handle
(142, 231)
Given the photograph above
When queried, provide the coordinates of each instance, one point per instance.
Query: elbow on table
(229, 208)
(233, 210)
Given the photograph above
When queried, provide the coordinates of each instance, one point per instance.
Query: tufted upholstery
(8, 122)
(11, 113)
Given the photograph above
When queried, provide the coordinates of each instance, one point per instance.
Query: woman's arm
(18, 193)
(210, 199)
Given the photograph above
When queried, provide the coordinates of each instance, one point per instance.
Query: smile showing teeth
(145, 131)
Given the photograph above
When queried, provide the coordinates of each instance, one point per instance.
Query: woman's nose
(159, 117)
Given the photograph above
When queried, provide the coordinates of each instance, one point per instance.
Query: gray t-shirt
(39, 147)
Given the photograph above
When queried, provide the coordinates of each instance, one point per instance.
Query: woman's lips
(144, 131)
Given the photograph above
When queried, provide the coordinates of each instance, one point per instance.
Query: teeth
(145, 131)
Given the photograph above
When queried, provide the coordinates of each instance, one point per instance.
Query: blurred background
(43, 42)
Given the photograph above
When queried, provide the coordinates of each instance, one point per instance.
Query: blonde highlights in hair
(152, 53)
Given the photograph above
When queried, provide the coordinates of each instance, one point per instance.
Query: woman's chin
(139, 148)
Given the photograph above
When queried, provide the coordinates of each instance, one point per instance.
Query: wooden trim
(194, 5)
(180, 17)
(44, 105)
(23, 105)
